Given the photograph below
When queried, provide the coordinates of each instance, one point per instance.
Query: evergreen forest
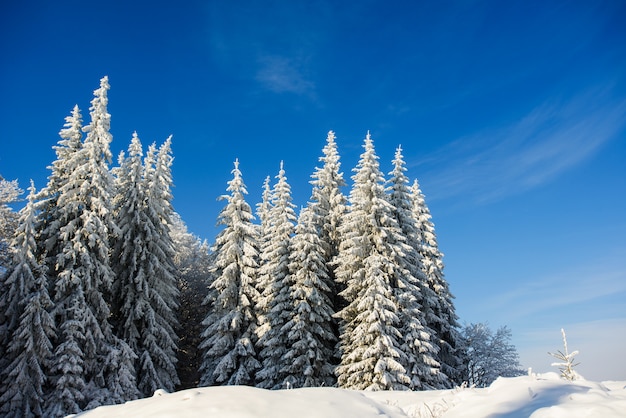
(106, 296)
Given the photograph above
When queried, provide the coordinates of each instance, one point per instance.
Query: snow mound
(543, 396)
(537, 396)
(245, 401)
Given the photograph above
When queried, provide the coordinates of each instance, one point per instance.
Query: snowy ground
(539, 396)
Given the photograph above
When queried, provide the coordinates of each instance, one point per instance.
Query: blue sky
(512, 115)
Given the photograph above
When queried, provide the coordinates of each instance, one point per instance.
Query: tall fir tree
(414, 296)
(145, 291)
(328, 206)
(229, 354)
(26, 301)
(66, 389)
(308, 335)
(442, 317)
(159, 336)
(275, 302)
(83, 274)
(89, 195)
(49, 215)
(263, 213)
(129, 212)
(370, 338)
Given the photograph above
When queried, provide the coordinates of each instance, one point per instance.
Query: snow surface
(536, 396)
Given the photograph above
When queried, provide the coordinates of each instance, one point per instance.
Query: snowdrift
(536, 396)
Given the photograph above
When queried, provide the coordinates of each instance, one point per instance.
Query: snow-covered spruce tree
(160, 339)
(192, 262)
(145, 290)
(370, 338)
(308, 335)
(26, 302)
(328, 206)
(128, 245)
(229, 355)
(128, 210)
(49, 215)
(441, 315)
(263, 213)
(275, 302)
(88, 194)
(82, 269)
(412, 291)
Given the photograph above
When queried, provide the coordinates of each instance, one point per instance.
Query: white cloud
(549, 140)
(273, 44)
(284, 75)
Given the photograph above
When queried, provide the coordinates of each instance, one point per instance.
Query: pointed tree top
(32, 191)
(165, 151)
(135, 148)
(368, 143)
(398, 161)
(104, 87)
(281, 176)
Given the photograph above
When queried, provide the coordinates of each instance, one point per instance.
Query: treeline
(107, 297)
(348, 292)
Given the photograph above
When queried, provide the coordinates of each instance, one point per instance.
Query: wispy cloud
(281, 74)
(576, 287)
(546, 142)
(271, 43)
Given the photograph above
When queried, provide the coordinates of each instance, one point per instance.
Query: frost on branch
(566, 365)
(9, 193)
